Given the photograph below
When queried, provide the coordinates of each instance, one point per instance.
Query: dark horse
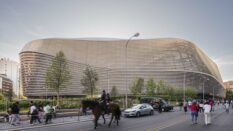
(98, 110)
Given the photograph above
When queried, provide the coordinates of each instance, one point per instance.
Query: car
(139, 110)
(154, 102)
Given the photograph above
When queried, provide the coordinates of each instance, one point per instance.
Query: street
(167, 121)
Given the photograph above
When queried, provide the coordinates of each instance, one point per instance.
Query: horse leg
(103, 118)
(95, 122)
(110, 121)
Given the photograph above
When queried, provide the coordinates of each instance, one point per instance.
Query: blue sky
(207, 23)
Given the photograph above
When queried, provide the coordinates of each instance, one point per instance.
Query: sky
(207, 23)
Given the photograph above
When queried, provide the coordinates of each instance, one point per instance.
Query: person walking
(207, 109)
(201, 107)
(227, 106)
(185, 107)
(34, 113)
(15, 113)
(41, 111)
(48, 115)
(194, 110)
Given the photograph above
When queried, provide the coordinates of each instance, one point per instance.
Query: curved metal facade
(175, 61)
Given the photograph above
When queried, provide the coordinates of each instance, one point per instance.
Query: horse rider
(104, 100)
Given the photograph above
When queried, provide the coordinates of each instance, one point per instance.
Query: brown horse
(98, 110)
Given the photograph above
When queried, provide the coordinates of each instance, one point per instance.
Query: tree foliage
(190, 92)
(168, 90)
(150, 87)
(136, 87)
(160, 87)
(229, 94)
(114, 91)
(58, 75)
(89, 81)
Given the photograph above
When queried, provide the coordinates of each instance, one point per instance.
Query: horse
(98, 110)
(116, 112)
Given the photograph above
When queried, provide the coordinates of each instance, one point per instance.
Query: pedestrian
(160, 106)
(211, 103)
(180, 105)
(54, 111)
(15, 114)
(201, 107)
(185, 107)
(34, 113)
(207, 109)
(48, 115)
(41, 110)
(194, 110)
(227, 106)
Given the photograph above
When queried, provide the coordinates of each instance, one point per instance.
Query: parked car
(154, 102)
(138, 110)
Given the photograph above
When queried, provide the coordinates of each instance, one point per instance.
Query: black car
(154, 102)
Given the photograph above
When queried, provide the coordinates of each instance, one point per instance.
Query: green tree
(150, 87)
(89, 81)
(190, 92)
(58, 75)
(137, 86)
(178, 93)
(160, 87)
(168, 90)
(114, 91)
(229, 94)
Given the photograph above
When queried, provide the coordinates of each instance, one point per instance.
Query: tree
(89, 81)
(150, 87)
(168, 90)
(160, 87)
(229, 94)
(137, 86)
(191, 92)
(114, 91)
(58, 75)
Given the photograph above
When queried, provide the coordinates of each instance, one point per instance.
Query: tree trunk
(58, 99)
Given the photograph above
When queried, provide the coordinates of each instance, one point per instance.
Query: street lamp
(184, 85)
(46, 92)
(126, 55)
(203, 89)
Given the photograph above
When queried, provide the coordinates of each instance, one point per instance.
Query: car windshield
(136, 107)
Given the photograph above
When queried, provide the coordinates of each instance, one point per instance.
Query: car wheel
(151, 112)
(138, 114)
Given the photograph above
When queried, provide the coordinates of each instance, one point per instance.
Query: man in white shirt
(227, 106)
(207, 109)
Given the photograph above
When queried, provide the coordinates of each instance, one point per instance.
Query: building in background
(178, 62)
(6, 86)
(11, 70)
(228, 85)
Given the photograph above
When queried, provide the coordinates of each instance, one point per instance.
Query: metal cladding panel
(165, 59)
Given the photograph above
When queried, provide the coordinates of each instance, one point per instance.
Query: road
(167, 121)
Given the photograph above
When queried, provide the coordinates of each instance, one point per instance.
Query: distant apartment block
(228, 85)
(6, 86)
(178, 62)
(11, 70)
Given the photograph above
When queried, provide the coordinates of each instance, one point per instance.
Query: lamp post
(126, 61)
(46, 92)
(184, 86)
(203, 89)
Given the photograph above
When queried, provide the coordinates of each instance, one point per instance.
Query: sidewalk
(26, 124)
